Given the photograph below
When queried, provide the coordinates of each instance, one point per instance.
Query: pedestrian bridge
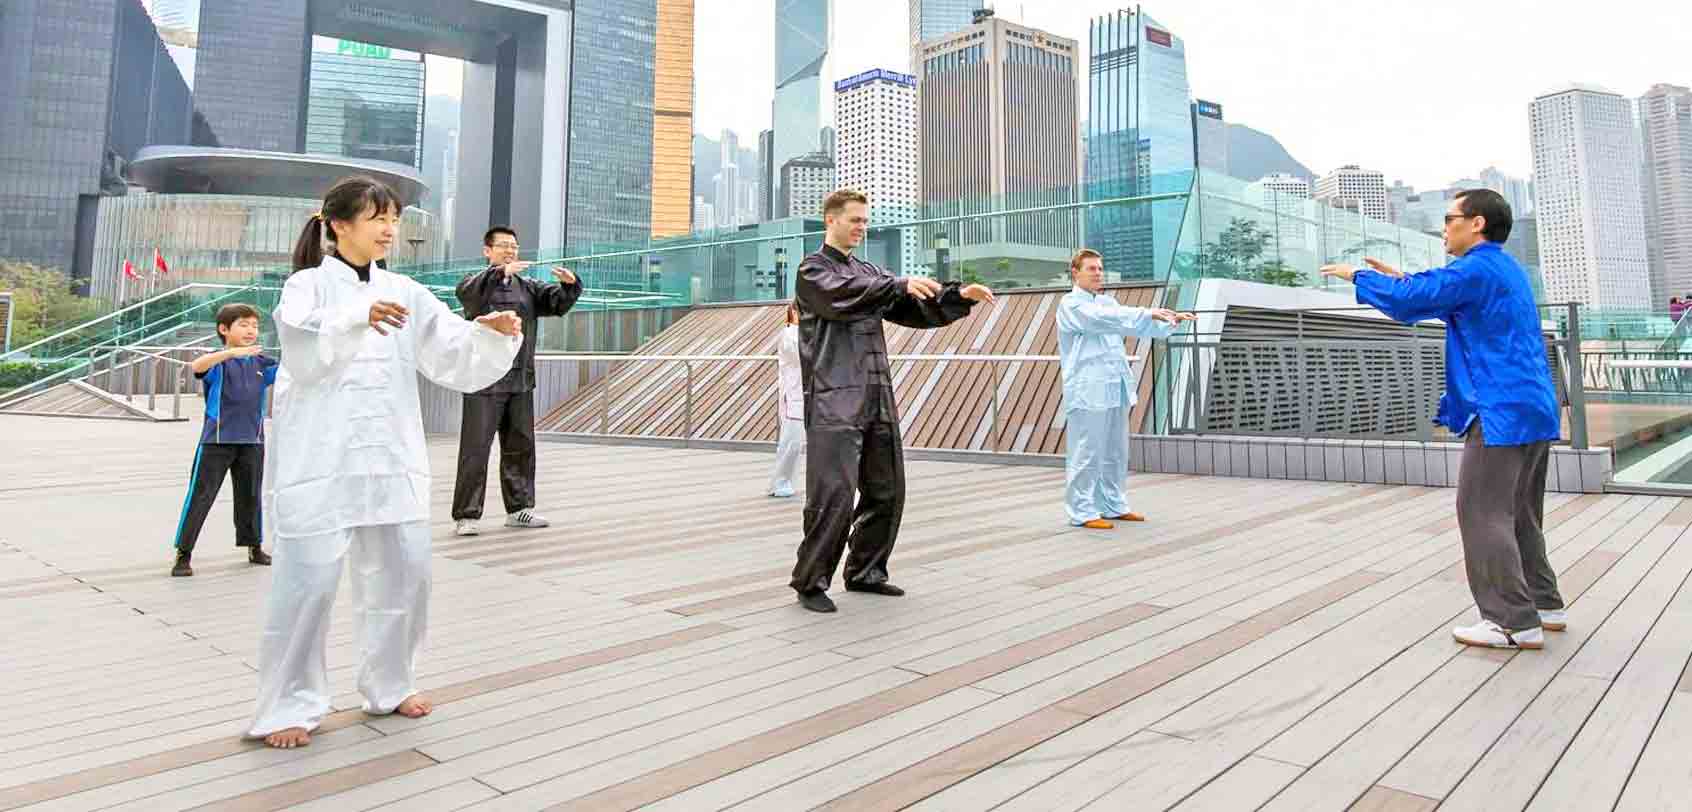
(1260, 643)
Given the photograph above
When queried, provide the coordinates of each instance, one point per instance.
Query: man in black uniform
(851, 422)
(508, 406)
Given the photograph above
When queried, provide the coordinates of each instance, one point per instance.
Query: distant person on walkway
(1099, 391)
(790, 407)
(506, 408)
(235, 380)
(348, 468)
(1499, 398)
(852, 442)
(1677, 308)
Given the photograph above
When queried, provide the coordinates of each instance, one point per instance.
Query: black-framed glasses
(1451, 217)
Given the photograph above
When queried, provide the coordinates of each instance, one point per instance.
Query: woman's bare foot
(288, 739)
(415, 706)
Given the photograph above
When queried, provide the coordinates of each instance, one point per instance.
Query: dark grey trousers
(1500, 511)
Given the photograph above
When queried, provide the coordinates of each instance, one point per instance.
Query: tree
(1237, 253)
(44, 302)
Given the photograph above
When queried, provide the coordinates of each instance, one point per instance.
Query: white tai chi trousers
(1096, 472)
(790, 449)
(390, 586)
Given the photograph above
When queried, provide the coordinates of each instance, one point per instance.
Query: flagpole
(147, 294)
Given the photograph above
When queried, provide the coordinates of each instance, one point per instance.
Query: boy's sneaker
(526, 519)
(467, 527)
(1487, 634)
(1553, 620)
(181, 570)
(257, 555)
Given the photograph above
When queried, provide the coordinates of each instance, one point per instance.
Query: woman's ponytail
(308, 249)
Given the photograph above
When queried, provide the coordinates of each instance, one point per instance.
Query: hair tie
(317, 215)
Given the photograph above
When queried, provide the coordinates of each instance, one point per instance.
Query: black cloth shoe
(181, 570)
(257, 555)
(818, 601)
(876, 589)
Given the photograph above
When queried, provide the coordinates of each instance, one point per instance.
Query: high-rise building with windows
(1210, 137)
(1518, 192)
(1665, 123)
(997, 126)
(1140, 140)
(84, 85)
(932, 19)
(672, 119)
(612, 108)
(366, 102)
(875, 113)
(1589, 204)
(801, 71)
(1354, 188)
(805, 182)
(766, 176)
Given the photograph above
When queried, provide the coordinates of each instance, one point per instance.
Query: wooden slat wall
(941, 404)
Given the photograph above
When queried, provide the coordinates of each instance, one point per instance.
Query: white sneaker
(526, 519)
(1553, 620)
(1490, 635)
(782, 491)
(467, 527)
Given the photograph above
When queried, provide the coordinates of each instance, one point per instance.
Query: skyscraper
(801, 68)
(766, 176)
(1589, 202)
(805, 182)
(84, 85)
(932, 19)
(1398, 201)
(1210, 137)
(1356, 189)
(1665, 121)
(1139, 140)
(243, 107)
(1518, 192)
(726, 192)
(876, 115)
(612, 109)
(998, 126)
(366, 102)
(672, 119)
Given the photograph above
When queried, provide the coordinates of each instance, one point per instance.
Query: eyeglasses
(1450, 217)
(511, 245)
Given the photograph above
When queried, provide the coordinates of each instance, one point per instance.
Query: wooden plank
(1246, 785)
(1387, 799)
(286, 796)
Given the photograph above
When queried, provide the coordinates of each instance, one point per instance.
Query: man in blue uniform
(1500, 399)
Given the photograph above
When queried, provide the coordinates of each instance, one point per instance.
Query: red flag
(159, 263)
(129, 270)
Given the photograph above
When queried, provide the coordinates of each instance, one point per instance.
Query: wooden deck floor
(1260, 644)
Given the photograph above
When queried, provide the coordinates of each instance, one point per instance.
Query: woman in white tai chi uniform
(790, 407)
(347, 469)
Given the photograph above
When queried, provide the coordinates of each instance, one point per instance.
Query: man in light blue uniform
(1099, 391)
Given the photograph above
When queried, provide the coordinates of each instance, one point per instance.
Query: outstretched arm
(461, 355)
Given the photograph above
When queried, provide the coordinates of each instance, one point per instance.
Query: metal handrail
(20, 351)
(716, 358)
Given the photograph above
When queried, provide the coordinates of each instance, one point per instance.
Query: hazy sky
(1427, 92)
